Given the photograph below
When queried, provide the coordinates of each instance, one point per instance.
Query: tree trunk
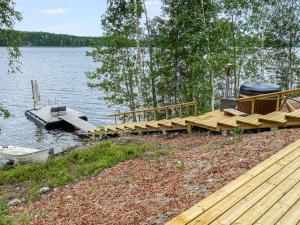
(210, 75)
(153, 88)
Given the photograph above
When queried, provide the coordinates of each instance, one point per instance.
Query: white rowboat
(23, 155)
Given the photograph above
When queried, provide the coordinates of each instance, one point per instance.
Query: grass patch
(3, 213)
(72, 166)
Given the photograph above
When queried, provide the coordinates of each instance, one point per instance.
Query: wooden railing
(281, 99)
(154, 111)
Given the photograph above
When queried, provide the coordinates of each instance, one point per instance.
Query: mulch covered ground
(152, 190)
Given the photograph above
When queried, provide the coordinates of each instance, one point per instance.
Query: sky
(75, 17)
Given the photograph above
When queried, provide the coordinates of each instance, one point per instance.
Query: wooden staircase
(215, 121)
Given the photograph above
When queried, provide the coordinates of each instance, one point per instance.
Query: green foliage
(237, 134)
(184, 54)
(72, 166)
(119, 73)
(8, 17)
(3, 212)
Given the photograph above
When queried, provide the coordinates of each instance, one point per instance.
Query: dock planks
(267, 194)
(79, 123)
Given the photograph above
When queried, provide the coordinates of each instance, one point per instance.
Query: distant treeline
(53, 40)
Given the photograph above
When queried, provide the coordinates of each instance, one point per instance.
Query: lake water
(60, 73)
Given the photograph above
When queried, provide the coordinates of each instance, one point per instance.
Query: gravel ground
(152, 190)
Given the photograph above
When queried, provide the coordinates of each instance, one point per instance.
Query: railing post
(154, 113)
(167, 113)
(144, 115)
(277, 102)
(252, 106)
(180, 111)
(195, 108)
(115, 119)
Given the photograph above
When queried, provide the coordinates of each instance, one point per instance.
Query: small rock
(55, 189)
(68, 198)
(15, 202)
(44, 190)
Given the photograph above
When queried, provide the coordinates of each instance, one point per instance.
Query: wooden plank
(167, 124)
(295, 115)
(141, 125)
(198, 209)
(230, 122)
(181, 121)
(292, 216)
(251, 120)
(234, 112)
(266, 181)
(131, 126)
(274, 117)
(78, 123)
(275, 212)
(254, 205)
(208, 120)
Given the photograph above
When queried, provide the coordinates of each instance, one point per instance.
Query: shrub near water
(73, 165)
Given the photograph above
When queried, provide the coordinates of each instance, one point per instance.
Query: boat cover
(259, 88)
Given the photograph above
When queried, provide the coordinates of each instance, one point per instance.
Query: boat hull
(24, 155)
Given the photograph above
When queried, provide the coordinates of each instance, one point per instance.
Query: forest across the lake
(40, 39)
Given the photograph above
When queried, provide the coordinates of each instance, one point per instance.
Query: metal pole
(228, 77)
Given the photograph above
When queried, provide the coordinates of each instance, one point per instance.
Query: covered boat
(23, 155)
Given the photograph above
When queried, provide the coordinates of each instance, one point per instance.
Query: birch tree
(8, 17)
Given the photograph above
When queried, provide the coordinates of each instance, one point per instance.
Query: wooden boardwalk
(215, 121)
(79, 123)
(267, 194)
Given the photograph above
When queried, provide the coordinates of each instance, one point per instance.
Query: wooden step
(228, 123)
(130, 126)
(274, 118)
(251, 120)
(208, 121)
(141, 125)
(293, 116)
(234, 112)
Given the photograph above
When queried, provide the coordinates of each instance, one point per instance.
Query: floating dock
(71, 117)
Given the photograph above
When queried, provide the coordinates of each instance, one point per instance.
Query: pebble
(15, 202)
(68, 198)
(44, 190)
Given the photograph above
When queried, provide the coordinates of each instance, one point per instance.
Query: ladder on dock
(79, 123)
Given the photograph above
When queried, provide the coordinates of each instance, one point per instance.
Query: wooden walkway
(79, 123)
(215, 121)
(267, 194)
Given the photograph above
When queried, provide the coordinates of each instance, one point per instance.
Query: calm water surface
(60, 74)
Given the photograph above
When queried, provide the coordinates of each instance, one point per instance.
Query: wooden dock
(267, 194)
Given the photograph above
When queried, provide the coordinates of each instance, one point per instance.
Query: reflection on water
(60, 73)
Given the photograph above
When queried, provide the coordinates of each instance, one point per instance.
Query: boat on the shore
(24, 155)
